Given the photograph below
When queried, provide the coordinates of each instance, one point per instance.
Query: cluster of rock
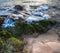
(18, 11)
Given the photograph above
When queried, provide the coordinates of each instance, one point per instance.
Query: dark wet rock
(1, 20)
(15, 12)
(18, 7)
(56, 7)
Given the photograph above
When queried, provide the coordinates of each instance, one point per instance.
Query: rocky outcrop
(18, 7)
(49, 47)
(41, 43)
(41, 47)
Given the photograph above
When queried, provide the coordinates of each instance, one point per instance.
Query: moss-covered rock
(16, 43)
(41, 26)
(1, 44)
(5, 34)
(24, 28)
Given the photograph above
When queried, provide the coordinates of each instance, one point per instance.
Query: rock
(55, 46)
(15, 12)
(1, 21)
(42, 47)
(18, 7)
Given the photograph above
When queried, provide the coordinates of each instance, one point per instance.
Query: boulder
(18, 7)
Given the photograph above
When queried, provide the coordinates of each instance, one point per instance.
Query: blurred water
(9, 2)
(14, 2)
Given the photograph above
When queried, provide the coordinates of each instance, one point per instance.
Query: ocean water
(14, 2)
(9, 2)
